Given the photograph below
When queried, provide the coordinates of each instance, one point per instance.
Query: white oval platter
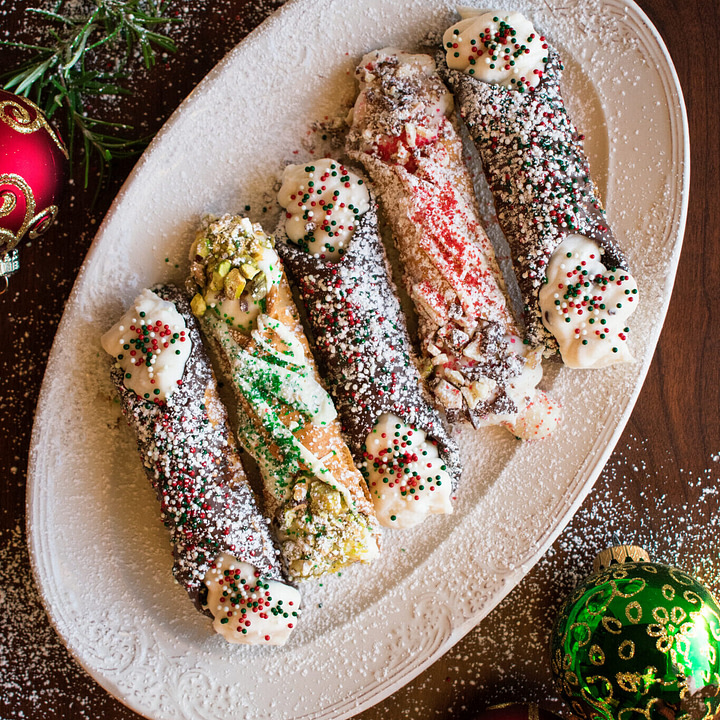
(100, 554)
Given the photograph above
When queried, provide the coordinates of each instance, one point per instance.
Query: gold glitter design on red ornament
(35, 224)
(7, 239)
(19, 119)
(9, 202)
(42, 221)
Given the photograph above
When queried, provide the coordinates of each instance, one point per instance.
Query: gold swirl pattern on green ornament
(596, 685)
(638, 639)
(612, 625)
(8, 240)
(681, 578)
(18, 117)
(626, 650)
(596, 655)
(633, 612)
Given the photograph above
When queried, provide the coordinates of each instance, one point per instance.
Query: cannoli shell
(361, 339)
(539, 175)
(449, 265)
(325, 442)
(192, 461)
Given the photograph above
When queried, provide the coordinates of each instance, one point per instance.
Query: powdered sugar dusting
(501, 522)
(47, 674)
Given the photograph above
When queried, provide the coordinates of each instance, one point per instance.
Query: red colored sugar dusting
(447, 237)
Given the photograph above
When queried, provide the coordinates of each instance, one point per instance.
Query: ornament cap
(619, 554)
(9, 263)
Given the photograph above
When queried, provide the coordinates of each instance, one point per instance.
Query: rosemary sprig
(63, 73)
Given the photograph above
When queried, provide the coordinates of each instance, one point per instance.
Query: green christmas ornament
(638, 640)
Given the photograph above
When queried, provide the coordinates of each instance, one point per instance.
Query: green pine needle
(60, 75)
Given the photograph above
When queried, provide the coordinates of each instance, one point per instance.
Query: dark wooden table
(659, 488)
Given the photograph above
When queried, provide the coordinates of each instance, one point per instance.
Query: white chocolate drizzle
(291, 381)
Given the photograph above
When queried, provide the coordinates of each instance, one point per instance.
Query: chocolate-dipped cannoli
(316, 497)
(333, 253)
(573, 276)
(403, 132)
(224, 555)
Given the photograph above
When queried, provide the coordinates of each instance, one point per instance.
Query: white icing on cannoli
(497, 47)
(248, 608)
(297, 385)
(586, 306)
(149, 343)
(538, 415)
(421, 120)
(323, 201)
(407, 479)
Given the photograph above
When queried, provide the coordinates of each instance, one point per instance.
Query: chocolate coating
(539, 175)
(191, 459)
(361, 339)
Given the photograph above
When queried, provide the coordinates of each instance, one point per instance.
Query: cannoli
(573, 277)
(224, 555)
(403, 132)
(316, 497)
(333, 253)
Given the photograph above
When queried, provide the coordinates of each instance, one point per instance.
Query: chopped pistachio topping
(234, 284)
(249, 270)
(225, 255)
(318, 533)
(198, 305)
(234, 265)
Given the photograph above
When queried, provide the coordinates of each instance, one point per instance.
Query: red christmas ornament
(517, 711)
(33, 172)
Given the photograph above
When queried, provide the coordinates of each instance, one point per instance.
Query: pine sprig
(61, 74)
